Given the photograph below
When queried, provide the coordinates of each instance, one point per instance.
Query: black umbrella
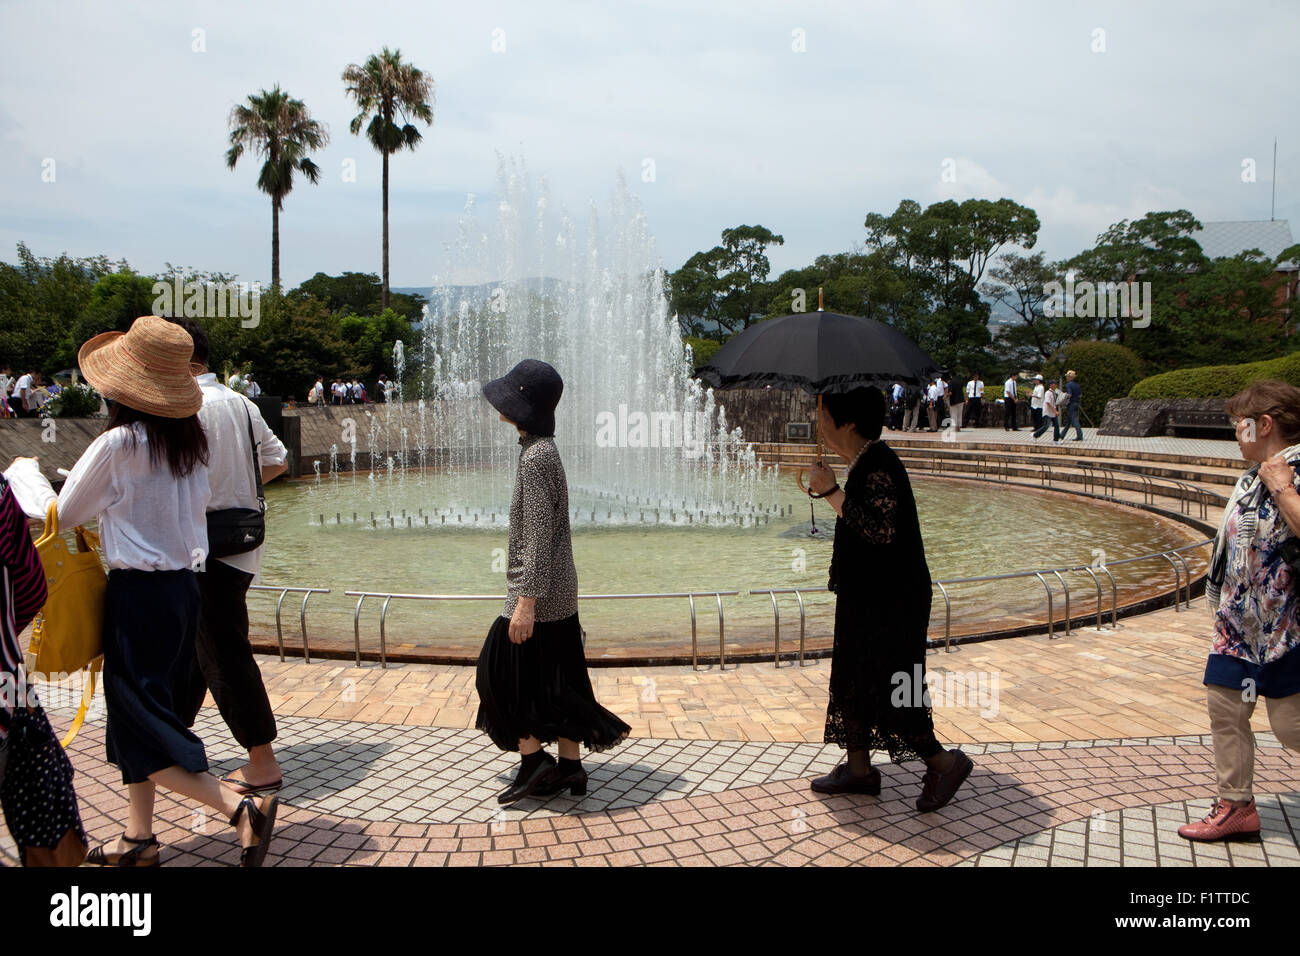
(819, 352)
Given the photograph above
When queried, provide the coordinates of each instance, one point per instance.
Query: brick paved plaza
(385, 769)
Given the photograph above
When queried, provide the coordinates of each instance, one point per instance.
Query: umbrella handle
(798, 480)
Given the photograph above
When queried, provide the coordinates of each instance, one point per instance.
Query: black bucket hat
(527, 395)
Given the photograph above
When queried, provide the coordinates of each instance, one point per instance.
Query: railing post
(947, 619)
(1177, 578)
(802, 622)
(776, 623)
(356, 627)
(383, 640)
(1048, 587)
(695, 651)
(1187, 577)
(1066, 588)
(1114, 598)
(1097, 581)
(722, 644)
(279, 632)
(302, 622)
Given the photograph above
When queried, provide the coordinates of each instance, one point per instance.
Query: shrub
(75, 401)
(703, 349)
(1105, 370)
(1217, 381)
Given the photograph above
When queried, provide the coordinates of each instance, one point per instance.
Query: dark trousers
(1035, 416)
(973, 409)
(1009, 414)
(223, 660)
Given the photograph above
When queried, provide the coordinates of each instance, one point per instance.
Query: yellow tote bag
(68, 634)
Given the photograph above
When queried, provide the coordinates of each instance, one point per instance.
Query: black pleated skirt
(150, 619)
(540, 688)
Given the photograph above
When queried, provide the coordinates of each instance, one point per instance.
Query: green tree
(385, 89)
(1020, 283)
(116, 301)
(359, 293)
(280, 129)
(1158, 248)
(941, 255)
(725, 289)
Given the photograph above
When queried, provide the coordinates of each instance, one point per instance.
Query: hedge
(1217, 381)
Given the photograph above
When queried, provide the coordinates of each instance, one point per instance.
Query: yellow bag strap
(86, 696)
(51, 524)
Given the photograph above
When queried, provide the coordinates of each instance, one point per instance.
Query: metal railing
(302, 614)
(1174, 557)
(1092, 476)
(390, 597)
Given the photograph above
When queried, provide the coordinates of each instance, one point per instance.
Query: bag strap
(86, 696)
(257, 469)
(51, 524)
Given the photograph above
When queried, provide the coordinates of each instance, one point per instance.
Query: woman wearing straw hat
(146, 481)
(532, 674)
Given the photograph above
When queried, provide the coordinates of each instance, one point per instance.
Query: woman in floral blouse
(1252, 593)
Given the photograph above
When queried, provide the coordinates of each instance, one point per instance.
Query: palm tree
(280, 129)
(387, 88)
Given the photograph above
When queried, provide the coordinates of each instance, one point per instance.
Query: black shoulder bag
(239, 530)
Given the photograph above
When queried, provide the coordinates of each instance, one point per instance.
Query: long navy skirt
(540, 688)
(150, 619)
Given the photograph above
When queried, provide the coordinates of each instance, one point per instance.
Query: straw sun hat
(146, 368)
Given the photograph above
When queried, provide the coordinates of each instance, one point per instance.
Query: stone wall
(1148, 417)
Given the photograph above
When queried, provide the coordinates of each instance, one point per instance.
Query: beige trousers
(1234, 742)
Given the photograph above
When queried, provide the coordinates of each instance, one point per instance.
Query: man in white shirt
(223, 661)
(1009, 391)
(252, 389)
(974, 400)
(318, 392)
(933, 395)
(24, 388)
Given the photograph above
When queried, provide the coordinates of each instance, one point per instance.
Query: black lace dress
(882, 609)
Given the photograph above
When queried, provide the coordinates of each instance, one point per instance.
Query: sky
(802, 117)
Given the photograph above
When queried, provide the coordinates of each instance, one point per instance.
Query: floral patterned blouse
(1257, 624)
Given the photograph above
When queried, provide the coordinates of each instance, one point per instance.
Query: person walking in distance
(1050, 414)
(223, 657)
(1075, 391)
(1036, 403)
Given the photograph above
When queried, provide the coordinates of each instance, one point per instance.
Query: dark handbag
(239, 530)
(40, 804)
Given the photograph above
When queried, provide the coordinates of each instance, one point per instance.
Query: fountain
(642, 442)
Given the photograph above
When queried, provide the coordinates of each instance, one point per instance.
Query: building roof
(1226, 239)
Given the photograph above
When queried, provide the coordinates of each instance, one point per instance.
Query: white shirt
(1036, 400)
(974, 389)
(254, 389)
(934, 392)
(4, 384)
(23, 390)
(230, 459)
(1049, 403)
(1009, 388)
(148, 519)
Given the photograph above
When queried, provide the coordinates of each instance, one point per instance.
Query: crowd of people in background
(344, 391)
(943, 404)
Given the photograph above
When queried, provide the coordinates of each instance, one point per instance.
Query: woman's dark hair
(1272, 397)
(199, 337)
(863, 407)
(181, 441)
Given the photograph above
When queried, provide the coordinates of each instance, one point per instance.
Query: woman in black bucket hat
(532, 674)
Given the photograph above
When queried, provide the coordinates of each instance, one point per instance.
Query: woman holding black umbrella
(878, 572)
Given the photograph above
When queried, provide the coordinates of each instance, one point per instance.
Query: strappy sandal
(262, 822)
(246, 789)
(133, 857)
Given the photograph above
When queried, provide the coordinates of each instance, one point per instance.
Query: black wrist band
(827, 493)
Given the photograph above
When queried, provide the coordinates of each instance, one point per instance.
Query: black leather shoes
(555, 781)
(938, 788)
(526, 785)
(840, 780)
